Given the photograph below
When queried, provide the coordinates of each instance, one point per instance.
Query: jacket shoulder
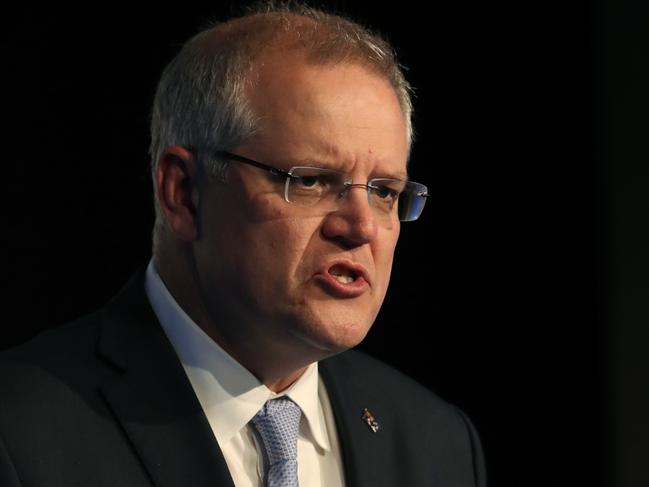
(420, 428)
(378, 378)
(54, 368)
(74, 341)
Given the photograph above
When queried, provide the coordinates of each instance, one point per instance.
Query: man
(279, 148)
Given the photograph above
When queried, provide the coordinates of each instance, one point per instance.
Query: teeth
(343, 279)
(342, 274)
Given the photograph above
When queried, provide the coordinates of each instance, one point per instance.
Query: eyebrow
(400, 175)
(332, 153)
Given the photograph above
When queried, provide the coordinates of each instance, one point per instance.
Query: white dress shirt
(230, 396)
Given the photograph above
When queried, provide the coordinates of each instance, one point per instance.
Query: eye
(307, 181)
(316, 179)
(385, 192)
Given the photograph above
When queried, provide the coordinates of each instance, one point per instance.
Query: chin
(328, 327)
(333, 337)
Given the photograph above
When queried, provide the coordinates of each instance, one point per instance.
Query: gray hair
(201, 100)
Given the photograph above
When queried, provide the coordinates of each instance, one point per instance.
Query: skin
(244, 263)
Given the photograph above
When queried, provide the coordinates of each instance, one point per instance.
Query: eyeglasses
(324, 189)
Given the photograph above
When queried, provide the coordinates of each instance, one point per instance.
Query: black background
(521, 294)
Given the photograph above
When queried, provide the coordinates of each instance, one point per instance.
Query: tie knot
(278, 423)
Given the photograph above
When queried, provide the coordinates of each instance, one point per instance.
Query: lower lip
(339, 289)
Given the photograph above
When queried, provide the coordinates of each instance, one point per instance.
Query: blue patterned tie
(277, 424)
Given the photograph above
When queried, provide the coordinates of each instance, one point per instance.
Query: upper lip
(355, 268)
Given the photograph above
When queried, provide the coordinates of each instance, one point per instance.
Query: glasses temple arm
(251, 162)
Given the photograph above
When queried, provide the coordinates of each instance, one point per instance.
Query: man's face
(266, 267)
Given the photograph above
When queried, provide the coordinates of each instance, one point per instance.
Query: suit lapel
(361, 447)
(153, 399)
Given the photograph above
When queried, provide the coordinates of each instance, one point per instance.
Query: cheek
(280, 247)
(385, 247)
(384, 257)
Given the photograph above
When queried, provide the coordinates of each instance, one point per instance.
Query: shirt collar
(229, 393)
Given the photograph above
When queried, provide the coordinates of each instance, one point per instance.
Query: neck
(259, 355)
(283, 384)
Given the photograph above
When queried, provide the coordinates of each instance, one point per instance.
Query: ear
(176, 180)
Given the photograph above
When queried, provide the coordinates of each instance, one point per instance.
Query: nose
(354, 223)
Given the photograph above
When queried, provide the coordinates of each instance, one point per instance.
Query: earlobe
(177, 191)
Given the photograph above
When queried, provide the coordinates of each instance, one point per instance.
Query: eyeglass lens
(326, 188)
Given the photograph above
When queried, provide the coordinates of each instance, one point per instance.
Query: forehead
(340, 111)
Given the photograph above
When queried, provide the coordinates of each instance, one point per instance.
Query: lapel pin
(370, 421)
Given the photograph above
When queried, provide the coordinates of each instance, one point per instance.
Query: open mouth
(344, 279)
(343, 274)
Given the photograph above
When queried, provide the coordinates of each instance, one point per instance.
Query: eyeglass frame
(286, 174)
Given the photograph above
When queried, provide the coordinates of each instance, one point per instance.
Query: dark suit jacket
(105, 401)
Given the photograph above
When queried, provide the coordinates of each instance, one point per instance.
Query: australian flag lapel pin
(370, 421)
